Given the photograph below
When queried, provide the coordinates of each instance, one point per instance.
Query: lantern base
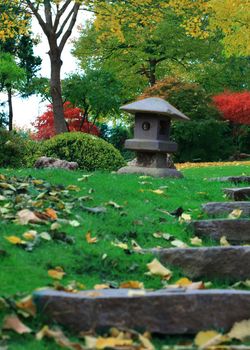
(155, 172)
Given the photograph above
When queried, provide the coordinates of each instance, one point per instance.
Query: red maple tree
(234, 106)
(44, 124)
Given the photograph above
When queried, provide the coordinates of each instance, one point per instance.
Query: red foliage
(44, 124)
(234, 106)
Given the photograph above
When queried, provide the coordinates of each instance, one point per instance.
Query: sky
(26, 110)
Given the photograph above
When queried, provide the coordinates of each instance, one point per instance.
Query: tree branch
(58, 34)
(60, 13)
(38, 17)
(47, 12)
(70, 27)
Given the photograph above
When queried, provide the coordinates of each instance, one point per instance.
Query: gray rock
(236, 231)
(238, 194)
(164, 311)
(46, 162)
(155, 172)
(234, 179)
(216, 208)
(231, 263)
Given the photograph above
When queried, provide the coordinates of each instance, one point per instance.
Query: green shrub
(33, 150)
(12, 149)
(205, 140)
(90, 152)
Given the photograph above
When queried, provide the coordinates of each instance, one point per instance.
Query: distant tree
(44, 124)
(97, 92)
(12, 78)
(234, 106)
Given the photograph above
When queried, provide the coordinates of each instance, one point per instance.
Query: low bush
(89, 151)
(12, 149)
(205, 140)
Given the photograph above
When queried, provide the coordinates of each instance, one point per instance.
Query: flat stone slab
(217, 208)
(176, 311)
(155, 172)
(236, 231)
(231, 263)
(238, 194)
(234, 179)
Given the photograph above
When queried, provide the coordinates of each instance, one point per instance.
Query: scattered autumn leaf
(205, 339)
(240, 330)
(196, 241)
(120, 245)
(56, 273)
(235, 214)
(90, 239)
(156, 268)
(30, 235)
(15, 240)
(51, 213)
(26, 304)
(73, 188)
(224, 242)
(146, 342)
(26, 216)
(185, 217)
(12, 322)
(101, 286)
(135, 245)
(111, 342)
(132, 285)
(114, 205)
(178, 243)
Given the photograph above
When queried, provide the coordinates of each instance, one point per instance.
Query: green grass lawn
(142, 214)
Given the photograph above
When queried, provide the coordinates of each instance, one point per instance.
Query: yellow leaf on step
(240, 330)
(235, 214)
(101, 286)
(185, 217)
(132, 285)
(196, 241)
(183, 282)
(111, 342)
(156, 268)
(26, 304)
(205, 339)
(224, 242)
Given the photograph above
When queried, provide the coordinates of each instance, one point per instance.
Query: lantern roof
(154, 106)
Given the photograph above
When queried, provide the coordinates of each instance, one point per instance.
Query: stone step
(234, 179)
(236, 231)
(176, 311)
(217, 208)
(238, 194)
(231, 263)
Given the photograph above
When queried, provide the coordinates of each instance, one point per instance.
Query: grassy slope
(22, 272)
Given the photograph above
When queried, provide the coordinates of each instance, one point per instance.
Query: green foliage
(90, 152)
(33, 151)
(98, 92)
(204, 140)
(12, 149)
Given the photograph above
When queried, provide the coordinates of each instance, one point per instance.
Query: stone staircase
(172, 311)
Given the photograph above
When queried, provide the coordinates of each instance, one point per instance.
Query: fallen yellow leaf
(120, 245)
(15, 240)
(51, 213)
(26, 304)
(240, 330)
(30, 235)
(204, 339)
(101, 286)
(235, 214)
(103, 343)
(56, 273)
(146, 342)
(179, 244)
(132, 285)
(183, 282)
(196, 241)
(185, 217)
(12, 322)
(224, 242)
(157, 191)
(90, 239)
(156, 268)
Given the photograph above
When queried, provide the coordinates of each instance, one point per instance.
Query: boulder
(218, 208)
(46, 162)
(238, 194)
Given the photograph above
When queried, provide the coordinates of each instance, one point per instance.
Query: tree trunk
(10, 109)
(152, 72)
(56, 92)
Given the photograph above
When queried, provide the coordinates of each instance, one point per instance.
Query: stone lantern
(151, 140)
